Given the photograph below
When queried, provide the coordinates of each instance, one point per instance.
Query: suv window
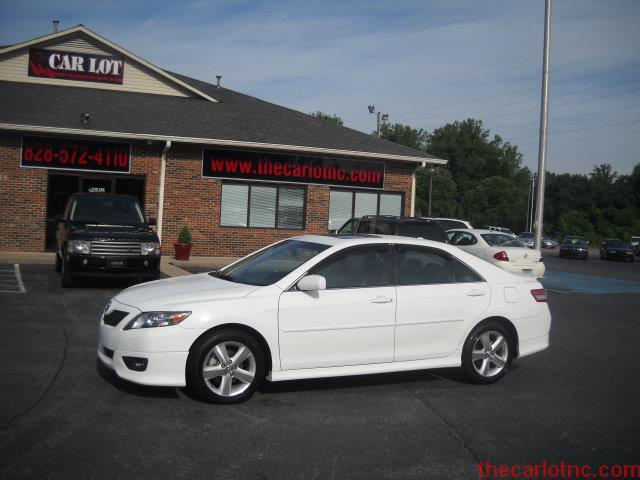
(364, 226)
(417, 266)
(358, 267)
(428, 231)
(383, 228)
(449, 224)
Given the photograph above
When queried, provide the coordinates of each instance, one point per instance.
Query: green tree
(444, 202)
(404, 135)
(335, 119)
(604, 174)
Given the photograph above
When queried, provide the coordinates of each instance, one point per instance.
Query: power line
(583, 138)
(559, 132)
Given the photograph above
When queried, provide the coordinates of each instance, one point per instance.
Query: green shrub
(185, 235)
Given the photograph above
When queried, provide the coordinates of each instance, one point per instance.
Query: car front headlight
(150, 248)
(156, 319)
(79, 246)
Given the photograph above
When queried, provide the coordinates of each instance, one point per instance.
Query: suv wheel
(58, 263)
(225, 367)
(67, 278)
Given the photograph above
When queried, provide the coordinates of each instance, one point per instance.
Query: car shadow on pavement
(132, 388)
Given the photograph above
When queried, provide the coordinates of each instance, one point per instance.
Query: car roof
(477, 230)
(348, 240)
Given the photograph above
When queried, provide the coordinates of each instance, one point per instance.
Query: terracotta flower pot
(182, 250)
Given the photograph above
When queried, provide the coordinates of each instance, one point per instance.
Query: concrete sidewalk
(168, 265)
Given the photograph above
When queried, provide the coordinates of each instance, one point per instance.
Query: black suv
(391, 225)
(105, 235)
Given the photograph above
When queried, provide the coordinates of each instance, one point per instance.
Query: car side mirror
(151, 222)
(312, 283)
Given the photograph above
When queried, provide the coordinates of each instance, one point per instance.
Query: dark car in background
(391, 225)
(574, 247)
(616, 249)
(104, 235)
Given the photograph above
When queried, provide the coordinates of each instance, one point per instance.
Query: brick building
(80, 113)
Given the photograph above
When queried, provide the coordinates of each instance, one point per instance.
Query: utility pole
(544, 126)
(383, 116)
(526, 222)
(431, 171)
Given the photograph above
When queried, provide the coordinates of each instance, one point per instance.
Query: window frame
(278, 187)
(353, 193)
(436, 251)
(390, 278)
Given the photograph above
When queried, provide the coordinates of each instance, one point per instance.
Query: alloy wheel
(229, 368)
(490, 353)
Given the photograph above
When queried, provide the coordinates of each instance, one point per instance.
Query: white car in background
(450, 223)
(499, 248)
(316, 306)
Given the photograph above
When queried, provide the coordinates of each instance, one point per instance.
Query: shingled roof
(209, 115)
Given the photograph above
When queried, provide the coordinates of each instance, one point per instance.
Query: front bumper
(574, 253)
(101, 266)
(619, 255)
(165, 349)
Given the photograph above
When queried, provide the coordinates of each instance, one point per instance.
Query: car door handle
(476, 293)
(382, 299)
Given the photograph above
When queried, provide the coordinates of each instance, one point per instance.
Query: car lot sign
(74, 154)
(75, 66)
(262, 166)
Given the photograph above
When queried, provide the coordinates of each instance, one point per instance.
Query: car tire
(58, 263)
(487, 353)
(67, 279)
(233, 362)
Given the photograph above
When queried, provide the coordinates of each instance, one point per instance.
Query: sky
(425, 63)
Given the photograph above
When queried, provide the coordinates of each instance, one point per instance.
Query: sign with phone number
(73, 154)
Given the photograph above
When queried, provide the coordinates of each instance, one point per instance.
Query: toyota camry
(317, 306)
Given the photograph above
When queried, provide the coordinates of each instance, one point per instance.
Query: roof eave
(220, 142)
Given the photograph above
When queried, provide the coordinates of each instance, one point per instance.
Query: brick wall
(23, 200)
(189, 200)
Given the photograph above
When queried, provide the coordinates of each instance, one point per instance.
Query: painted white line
(19, 277)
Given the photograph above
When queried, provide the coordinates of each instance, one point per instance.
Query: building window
(261, 206)
(345, 204)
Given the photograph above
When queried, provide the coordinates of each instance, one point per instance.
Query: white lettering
(65, 64)
(53, 60)
(76, 64)
(116, 64)
(92, 65)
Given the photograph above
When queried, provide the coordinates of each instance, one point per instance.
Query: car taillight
(539, 294)
(502, 256)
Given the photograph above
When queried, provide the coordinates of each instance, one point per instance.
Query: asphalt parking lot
(62, 416)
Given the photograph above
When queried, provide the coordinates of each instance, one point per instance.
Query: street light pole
(379, 116)
(431, 171)
(544, 127)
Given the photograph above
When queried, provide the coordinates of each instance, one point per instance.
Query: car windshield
(272, 264)
(106, 211)
(496, 239)
(575, 240)
(526, 235)
(616, 243)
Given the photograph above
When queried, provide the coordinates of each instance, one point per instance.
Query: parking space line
(12, 281)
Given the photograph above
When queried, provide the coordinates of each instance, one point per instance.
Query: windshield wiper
(223, 276)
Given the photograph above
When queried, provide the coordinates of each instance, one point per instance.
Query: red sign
(72, 154)
(75, 66)
(266, 166)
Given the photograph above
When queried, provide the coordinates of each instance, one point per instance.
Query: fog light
(146, 264)
(136, 363)
(84, 262)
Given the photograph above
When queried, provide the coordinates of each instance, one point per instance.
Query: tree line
(485, 183)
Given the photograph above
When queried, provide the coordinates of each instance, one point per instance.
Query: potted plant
(183, 245)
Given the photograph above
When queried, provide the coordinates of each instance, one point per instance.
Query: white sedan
(315, 306)
(501, 249)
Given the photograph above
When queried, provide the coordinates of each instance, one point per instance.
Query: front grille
(121, 249)
(114, 318)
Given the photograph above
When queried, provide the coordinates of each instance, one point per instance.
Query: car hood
(619, 249)
(574, 245)
(173, 292)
